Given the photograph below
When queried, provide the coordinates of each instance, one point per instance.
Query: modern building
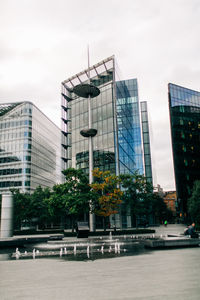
(171, 201)
(184, 107)
(118, 145)
(30, 148)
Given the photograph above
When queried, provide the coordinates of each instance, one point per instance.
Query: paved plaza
(158, 274)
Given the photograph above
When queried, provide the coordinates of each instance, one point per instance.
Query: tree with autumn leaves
(107, 195)
(71, 199)
(76, 196)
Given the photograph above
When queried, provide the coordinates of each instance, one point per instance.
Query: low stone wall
(171, 243)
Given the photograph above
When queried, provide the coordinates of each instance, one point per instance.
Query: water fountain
(80, 249)
(101, 247)
(75, 249)
(17, 253)
(118, 248)
(88, 251)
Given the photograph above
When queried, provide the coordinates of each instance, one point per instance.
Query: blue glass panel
(129, 133)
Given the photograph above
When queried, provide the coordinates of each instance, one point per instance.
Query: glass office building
(116, 115)
(29, 148)
(184, 107)
(118, 145)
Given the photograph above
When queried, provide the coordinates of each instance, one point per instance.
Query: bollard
(7, 215)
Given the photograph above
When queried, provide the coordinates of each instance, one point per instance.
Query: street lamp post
(88, 91)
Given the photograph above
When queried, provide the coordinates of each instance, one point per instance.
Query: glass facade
(29, 148)
(75, 151)
(129, 127)
(184, 106)
(146, 141)
(116, 116)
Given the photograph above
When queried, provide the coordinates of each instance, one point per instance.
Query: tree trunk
(104, 224)
(73, 223)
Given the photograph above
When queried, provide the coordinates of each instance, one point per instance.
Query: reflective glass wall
(116, 116)
(146, 141)
(184, 106)
(29, 148)
(45, 151)
(75, 118)
(129, 127)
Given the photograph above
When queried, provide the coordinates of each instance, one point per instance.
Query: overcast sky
(43, 42)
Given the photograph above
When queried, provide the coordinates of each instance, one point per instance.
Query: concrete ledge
(171, 243)
(20, 241)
